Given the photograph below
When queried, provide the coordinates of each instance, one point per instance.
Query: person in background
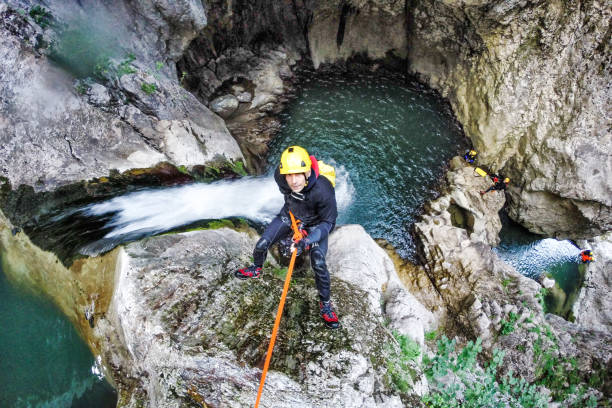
(586, 256)
(498, 186)
(470, 156)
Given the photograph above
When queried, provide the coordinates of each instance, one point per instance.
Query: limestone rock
(593, 309)
(192, 329)
(99, 95)
(340, 30)
(51, 135)
(244, 97)
(458, 256)
(224, 105)
(529, 83)
(371, 269)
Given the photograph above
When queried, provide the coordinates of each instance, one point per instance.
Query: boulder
(192, 331)
(373, 271)
(224, 105)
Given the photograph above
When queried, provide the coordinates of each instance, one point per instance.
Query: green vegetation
(431, 335)
(41, 16)
(159, 65)
(399, 370)
(148, 88)
(541, 296)
(473, 386)
(505, 284)
(183, 78)
(125, 67)
(82, 87)
(238, 168)
(507, 326)
(560, 374)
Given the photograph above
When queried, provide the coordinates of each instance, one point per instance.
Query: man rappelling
(311, 199)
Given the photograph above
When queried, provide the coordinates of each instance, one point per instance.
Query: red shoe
(328, 315)
(252, 272)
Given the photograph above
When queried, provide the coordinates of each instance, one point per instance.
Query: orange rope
(297, 235)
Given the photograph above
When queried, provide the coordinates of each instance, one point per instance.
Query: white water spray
(154, 211)
(534, 259)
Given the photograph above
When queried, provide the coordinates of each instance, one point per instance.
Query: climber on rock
(470, 156)
(586, 256)
(312, 200)
(499, 185)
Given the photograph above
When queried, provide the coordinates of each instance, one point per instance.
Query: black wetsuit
(316, 207)
(500, 185)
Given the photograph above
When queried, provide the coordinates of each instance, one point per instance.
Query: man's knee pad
(317, 259)
(262, 245)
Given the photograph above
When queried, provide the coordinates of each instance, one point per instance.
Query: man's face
(296, 181)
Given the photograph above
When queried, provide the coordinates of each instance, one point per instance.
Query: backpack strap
(315, 165)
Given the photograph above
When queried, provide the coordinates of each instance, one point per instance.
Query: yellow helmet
(295, 159)
(473, 153)
(506, 180)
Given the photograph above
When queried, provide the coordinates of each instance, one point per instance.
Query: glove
(301, 246)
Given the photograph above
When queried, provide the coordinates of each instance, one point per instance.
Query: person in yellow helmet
(470, 156)
(499, 184)
(312, 200)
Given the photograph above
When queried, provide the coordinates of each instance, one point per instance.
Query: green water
(393, 140)
(43, 361)
(533, 255)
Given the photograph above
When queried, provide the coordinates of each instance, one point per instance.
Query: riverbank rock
(593, 309)
(373, 271)
(57, 132)
(193, 331)
(476, 286)
(491, 300)
(529, 82)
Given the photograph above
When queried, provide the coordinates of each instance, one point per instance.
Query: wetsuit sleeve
(321, 231)
(326, 206)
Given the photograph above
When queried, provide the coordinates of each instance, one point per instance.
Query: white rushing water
(154, 211)
(538, 257)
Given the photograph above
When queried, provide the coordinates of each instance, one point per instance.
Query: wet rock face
(593, 309)
(529, 83)
(341, 30)
(194, 331)
(56, 132)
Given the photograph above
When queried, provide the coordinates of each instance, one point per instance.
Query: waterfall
(153, 211)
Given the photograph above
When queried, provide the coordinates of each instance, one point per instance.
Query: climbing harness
(297, 236)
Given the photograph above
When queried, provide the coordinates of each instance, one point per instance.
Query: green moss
(148, 88)
(41, 16)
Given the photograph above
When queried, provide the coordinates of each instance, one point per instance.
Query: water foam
(153, 211)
